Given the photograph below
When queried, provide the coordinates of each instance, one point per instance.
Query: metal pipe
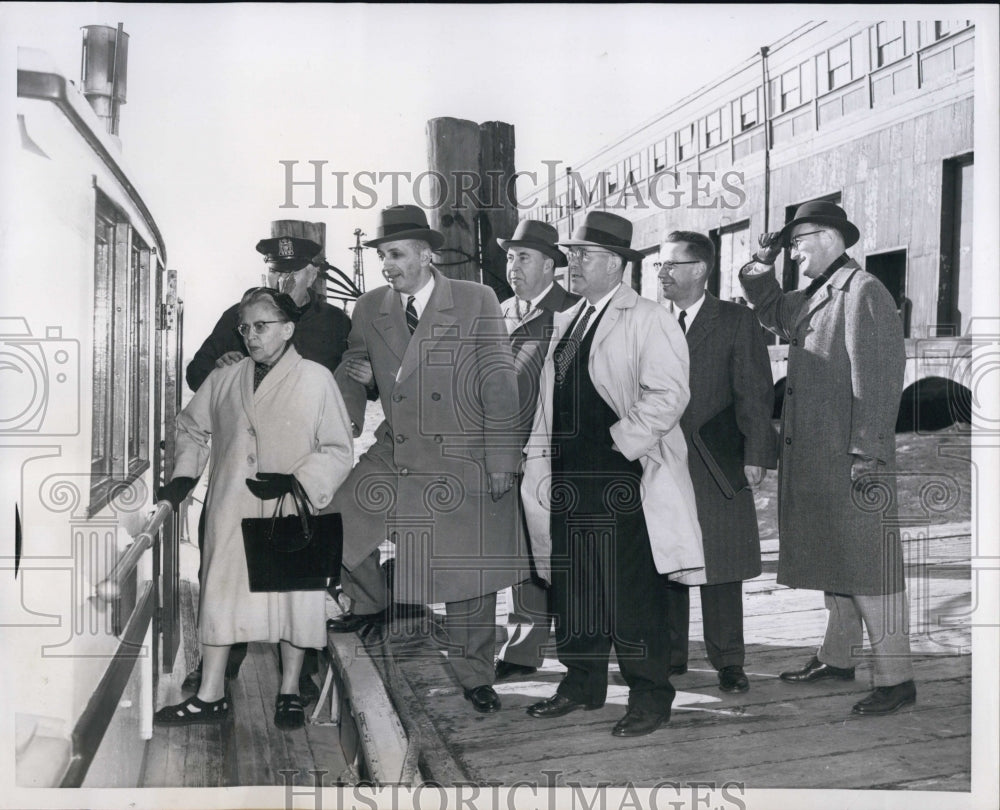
(110, 589)
(767, 140)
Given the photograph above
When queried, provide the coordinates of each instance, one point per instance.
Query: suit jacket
(295, 422)
(449, 398)
(639, 366)
(846, 359)
(530, 343)
(729, 366)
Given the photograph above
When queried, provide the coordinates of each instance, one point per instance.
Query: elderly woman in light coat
(280, 417)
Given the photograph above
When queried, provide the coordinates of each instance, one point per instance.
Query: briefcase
(299, 552)
(720, 445)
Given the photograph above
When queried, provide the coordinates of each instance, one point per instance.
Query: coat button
(251, 431)
(397, 397)
(404, 471)
(788, 392)
(788, 440)
(400, 438)
(435, 396)
(251, 459)
(394, 536)
(795, 341)
(438, 438)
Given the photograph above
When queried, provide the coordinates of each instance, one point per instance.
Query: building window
(839, 70)
(888, 42)
(748, 111)
(103, 402)
(790, 90)
(943, 28)
(658, 157)
(685, 142)
(137, 349)
(713, 129)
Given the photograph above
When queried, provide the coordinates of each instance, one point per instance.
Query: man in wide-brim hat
(438, 480)
(532, 259)
(606, 491)
(836, 479)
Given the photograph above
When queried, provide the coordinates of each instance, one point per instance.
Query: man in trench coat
(606, 490)
(732, 388)
(438, 480)
(836, 481)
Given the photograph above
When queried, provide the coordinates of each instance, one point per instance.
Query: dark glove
(176, 491)
(270, 485)
(770, 247)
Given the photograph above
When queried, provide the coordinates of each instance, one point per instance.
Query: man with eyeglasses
(320, 335)
(837, 488)
(606, 491)
(732, 396)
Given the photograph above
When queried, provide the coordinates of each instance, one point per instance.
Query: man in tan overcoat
(836, 479)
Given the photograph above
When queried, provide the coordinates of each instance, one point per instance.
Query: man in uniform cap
(532, 259)
(437, 482)
(606, 490)
(320, 335)
(836, 490)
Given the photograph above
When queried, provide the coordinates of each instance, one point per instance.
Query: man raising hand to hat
(836, 480)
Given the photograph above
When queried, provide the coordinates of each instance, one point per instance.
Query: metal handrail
(110, 588)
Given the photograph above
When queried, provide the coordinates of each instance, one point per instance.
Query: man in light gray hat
(532, 259)
(836, 479)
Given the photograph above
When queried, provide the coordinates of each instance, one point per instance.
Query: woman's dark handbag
(293, 553)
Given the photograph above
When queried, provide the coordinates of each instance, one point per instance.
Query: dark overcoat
(729, 365)
(449, 396)
(846, 360)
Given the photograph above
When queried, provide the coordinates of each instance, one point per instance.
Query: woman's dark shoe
(191, 711)
(289, 712)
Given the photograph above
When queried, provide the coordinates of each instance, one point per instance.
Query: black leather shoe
(558, 705)
(352, 622)
(677, 669)
(639, 722)
(733, 679)
(816, 670)
(886, 699)
(505, 669)
(484, 699)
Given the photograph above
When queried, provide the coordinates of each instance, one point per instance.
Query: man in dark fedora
(732, 397)
(438, 480)
(320, 335)
(532, 259)
(607, 494)
(836, 490)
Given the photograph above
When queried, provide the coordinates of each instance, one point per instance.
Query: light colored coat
(449, 395)
(294, 423)
(846, 359)
(639, 366)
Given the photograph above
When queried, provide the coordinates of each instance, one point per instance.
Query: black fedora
(604, 230)
(288, 253)
(404, 222)
(531, 233)
(822, 212)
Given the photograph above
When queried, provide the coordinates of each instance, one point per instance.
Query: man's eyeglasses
(669, 267)
(582, 254)
(797, 239)
(259, 327)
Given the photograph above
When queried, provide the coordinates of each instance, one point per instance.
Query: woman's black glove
(270, 485)
(176, 491)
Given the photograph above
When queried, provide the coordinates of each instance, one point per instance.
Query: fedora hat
(531, 233)
(822, 212)
(288, 253)
(604, 230)
(404, 222)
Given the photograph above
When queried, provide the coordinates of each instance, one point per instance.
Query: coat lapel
(390, 324)
(437, 321)
(838, 280)
(703, 323)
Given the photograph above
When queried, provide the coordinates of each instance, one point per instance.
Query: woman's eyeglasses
(258, 327)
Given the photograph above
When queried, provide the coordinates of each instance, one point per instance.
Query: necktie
(259, 372)
(564, 354)
(522, 312)
(681, 318)
(411, 315)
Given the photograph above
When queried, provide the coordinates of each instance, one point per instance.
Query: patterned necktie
(411, 315)
(681, 318)
(527, 308)
(564, 354)
(259, 372)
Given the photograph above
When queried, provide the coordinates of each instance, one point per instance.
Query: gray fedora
(404, 222)
(531, 233)
(604, 230)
